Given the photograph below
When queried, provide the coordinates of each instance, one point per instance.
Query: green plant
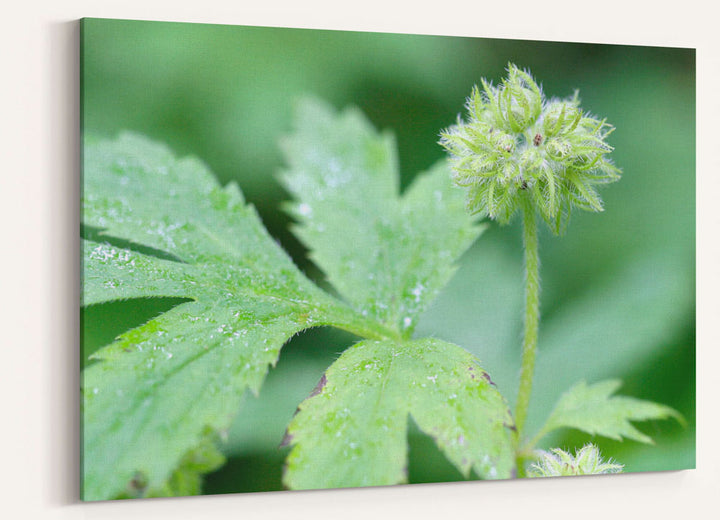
(520, 151)
(157, 398)
(559, 463)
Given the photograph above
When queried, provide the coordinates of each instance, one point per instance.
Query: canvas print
(319, 259)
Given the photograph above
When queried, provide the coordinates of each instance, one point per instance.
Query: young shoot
(519, 151)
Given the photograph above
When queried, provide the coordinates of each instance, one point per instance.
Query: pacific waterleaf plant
(151, 396)
(521, 152)
(157, 401)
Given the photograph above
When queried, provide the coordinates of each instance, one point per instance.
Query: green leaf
(352, 431)
(594, 410)
(115, 273)
(137, 190)
(187, 478)
(154, 392)
(386, 254)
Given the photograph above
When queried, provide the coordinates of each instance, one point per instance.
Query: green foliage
(559, 463)
(156, 388)
(618, 290)
(595, 410)
(602, 318)
(155, 399)
(352, 431)
(186, 479)
(151, 395)
(344, 178)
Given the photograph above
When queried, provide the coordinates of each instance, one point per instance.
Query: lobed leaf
(352, 430)
(388, 255)
(137, 190)
(154, 393)
(595, 410)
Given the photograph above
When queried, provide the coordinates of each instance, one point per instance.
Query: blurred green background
(618, 289)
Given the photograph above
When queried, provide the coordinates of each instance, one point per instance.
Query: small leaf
(153, 393)
(594, 410)
(387, 255)
(352, 430)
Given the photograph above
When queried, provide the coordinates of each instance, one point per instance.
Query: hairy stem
(532, 314)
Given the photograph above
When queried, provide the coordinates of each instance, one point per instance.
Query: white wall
(39, 282)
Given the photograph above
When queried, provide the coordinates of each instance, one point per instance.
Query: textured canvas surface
(248, 189)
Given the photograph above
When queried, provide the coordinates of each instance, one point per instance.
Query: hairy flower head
(559, 463)
(517, 146)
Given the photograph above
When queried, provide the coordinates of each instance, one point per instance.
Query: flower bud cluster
(517, 147)
(559, 463)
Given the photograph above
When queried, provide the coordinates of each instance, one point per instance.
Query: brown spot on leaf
(510, 426)
(318, 388)
(138, 485)
(486, 376)
(287, 440)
